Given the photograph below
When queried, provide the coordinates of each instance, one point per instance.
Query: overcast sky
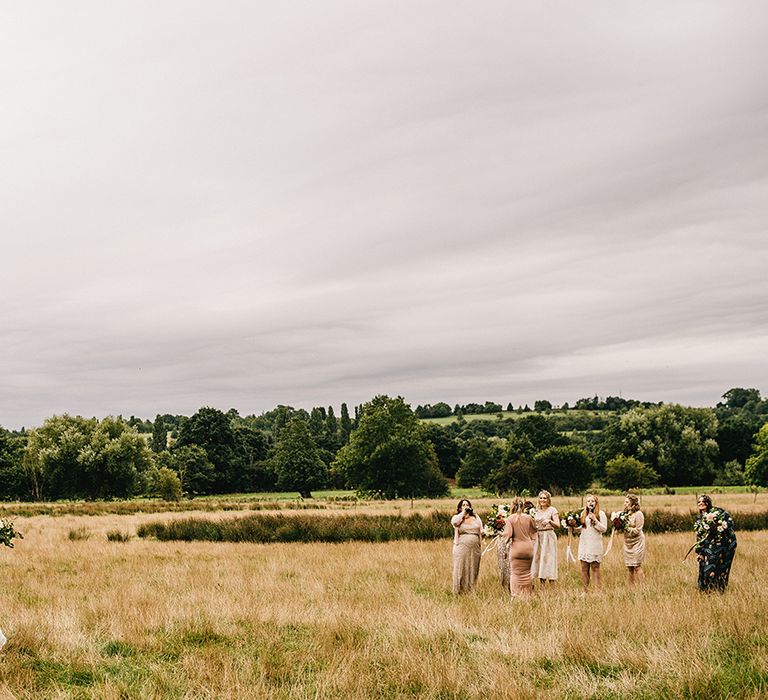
(242, 204)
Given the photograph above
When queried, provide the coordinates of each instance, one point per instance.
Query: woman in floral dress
(715, 546)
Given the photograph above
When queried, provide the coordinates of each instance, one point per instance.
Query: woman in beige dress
(520, 531)
(544, 564)
(634, 541)
(467, 534)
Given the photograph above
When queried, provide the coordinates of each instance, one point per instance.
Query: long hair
(462, 500)
(704, 497)
(584, 512)
(634, 502)
(517, 505)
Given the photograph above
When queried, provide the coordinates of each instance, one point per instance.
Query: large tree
(212, 430)
(14, 484)
(481, 458)
(390, 454)
(296, 460)
(75, 457)
(562, 469)
(757, 465)
(676, 441)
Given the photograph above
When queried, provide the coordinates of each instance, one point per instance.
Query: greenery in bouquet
(571, 518)
(711, 524)
(494, 523)
(8, 533)
(620, 520)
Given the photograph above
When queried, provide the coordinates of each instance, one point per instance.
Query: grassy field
(90, 618)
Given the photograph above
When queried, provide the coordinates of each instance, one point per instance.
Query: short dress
(591, 539)
(634, 540)
(544, 564)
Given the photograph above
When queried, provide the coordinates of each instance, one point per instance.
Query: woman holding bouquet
(467, 533)
(634, 540)
(520, 531)
(715, 546)
(544, 564)
(593, 524)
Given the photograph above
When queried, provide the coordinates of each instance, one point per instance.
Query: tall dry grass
(90, 618)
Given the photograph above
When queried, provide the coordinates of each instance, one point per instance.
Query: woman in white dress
(594, 523)
(544, 564)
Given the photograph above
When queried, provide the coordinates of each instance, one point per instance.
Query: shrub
(118, 536)
(627, 473)
(80, 533)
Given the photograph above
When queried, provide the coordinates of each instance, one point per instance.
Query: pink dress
(520, 530)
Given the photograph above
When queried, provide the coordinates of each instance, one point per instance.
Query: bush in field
(279, 528)
(389, 453)
(732, 474)
(118, 536)
(165, 483)
(373, 528)
(627, 473)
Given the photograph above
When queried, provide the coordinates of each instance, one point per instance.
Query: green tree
(676, 441)
(542, 406)
(296, 460)
(345, 425)
(734, 437)
(389, 453)
(627, 473)
(212, 430)
(14, 484)
(756, 470)
(563, 469)
(165, 483)
(481, 458)
(159, 440)
(195, 470)
(732, 474)
(739, 398)
(446, 448)
(75, 457)
(541, 431)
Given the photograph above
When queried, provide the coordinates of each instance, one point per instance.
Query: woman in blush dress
(544, 564)
(594, 523)
(520, 531)
(467, 534)
(634, 541)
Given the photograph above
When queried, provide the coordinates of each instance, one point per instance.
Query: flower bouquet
(529, 509)
(494, 523)
(620, 520)
(712, 523)
(570, 519)
(8, 533)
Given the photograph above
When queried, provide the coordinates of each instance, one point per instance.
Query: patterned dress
(716, 547)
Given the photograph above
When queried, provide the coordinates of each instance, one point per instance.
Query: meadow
(88, 617)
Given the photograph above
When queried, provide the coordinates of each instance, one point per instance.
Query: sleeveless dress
(634, 540)
(466, 552)
(520, 530)
(544, 564)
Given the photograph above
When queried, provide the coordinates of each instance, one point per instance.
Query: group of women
(527, 547)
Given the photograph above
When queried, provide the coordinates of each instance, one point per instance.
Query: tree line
(385, 449)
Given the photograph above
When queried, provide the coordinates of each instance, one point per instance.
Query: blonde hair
(517, 505)
(584, 512)
(546, 494)
(634, 501)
